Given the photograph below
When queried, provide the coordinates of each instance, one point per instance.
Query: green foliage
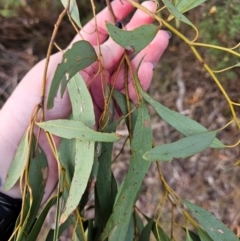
(80, 56)
(183, 148)
(18, 163)
(214, 228)
(129, 39)
(219, 28)
(84, 155)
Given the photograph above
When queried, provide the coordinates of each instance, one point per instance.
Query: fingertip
(145, 74)
(141, 17)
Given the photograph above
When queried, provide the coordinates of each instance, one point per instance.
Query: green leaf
(118, 222)
(188, 237)
(80, 56)
(122, 103)
(214, 228)
(139, 222)
(66, 152)
(159, 233)
(185, 147)
(105, 189)
(146, 232)
(37, 179)
(134, 40)
(83, 166)
(82, 109)
(18, 164)
(62, 227)
(174, 11)
(76, 129)
(82, 105)
(186, 5)
(130, 231)
(180, 122)
(191, 235)
(41, 218)
(73, 10)
(203, 235)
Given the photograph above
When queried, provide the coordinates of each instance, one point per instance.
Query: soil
(180, 82)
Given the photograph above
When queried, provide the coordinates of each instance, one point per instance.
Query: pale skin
(16, 113)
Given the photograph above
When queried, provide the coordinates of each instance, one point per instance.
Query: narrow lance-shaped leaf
(134, 40)
(18, 163)
(159, 233)
(183, 148)
(180, 122)
(76, 129)
(173, 10)
(37, 179)
(105, 189)
(83, 166)
(73, 10)
(203, 235)
(191, 236)
(119, 221)
(80, 56)
(81, 100)
(40, 220)
(186, 5)
(214, 228)
(83, 111)
(146, 232)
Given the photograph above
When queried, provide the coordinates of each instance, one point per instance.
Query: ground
(180, 82)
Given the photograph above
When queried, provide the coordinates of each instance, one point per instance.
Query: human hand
(16, 113)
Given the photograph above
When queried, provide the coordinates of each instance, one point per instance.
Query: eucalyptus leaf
(81, 100)
(82, 170)
(76, 129)
(159, 233)
(80, 56)
(180, 122)
(146, 232)
(62, 227)
(37, 179)
(130, 231)
(18, 164)
(105, 189)
(174, 11)
(40, 220)
(216, 230)
(134, 40)
(139, 222)
(191, 235)
(182, 148)
(82, 109)
(188, 237)
(185, 5)
(203, 235)
(122, 103)
(119, 221)
(73, 10)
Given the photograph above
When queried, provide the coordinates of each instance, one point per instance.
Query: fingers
(121, 9)
(153, 52)
(111, 51)
(149, 56)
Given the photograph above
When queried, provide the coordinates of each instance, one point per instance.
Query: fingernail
(154, 65)
(169, 33)
(118, 24)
